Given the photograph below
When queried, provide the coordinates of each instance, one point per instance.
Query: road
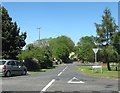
(65, 77)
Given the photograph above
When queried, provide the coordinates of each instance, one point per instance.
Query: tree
(12, 41)
(116, 41)
(67, 41)
(0, 34)
(29, 47)
(85, 45)
(61, 51)
(42, 54)
(105, 31)
(62, 40)
(86, 39)
(61, 47)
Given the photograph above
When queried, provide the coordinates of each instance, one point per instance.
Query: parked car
(12, 67)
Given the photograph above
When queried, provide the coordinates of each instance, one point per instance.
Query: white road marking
(65, 68)
(62, 71)
(75, 82)
(53, 80)
(47, 86)
(59, 73)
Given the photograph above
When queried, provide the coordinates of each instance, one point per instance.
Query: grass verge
(41, 70)
(105, 73)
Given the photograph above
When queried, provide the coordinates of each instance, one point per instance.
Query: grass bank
(105, 73)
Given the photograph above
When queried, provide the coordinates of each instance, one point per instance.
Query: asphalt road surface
(65, 77)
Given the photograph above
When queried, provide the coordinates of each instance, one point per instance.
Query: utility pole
(39, 36)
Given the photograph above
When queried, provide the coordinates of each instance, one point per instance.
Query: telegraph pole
(39, 36)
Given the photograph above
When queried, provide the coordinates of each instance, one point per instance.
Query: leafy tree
(42, 54)
(85, 45)
(0, 33)
(116, 41)
(67, 41)
(61, 51)
(31, 64)
(61, 47)
(29, 46)
(62, 40)
(112, 54)
(105, 31)
(12, 41)
(86, 39)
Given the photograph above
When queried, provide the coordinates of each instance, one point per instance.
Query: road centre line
(47, 86)
(65, 68)
(59, 74)
(62, 71)
(52, 81)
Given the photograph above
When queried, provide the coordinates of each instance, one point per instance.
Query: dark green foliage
(47, 59)
(30, 46)
(62, 52)
(105, 32)
(116, 41)
(12, 41)
(107, 28)
(86, 39)
(42, 54)
(62, 40)
(61, 48)
(31, 64)
(84, 49)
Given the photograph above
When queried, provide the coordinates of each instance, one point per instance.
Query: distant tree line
(55, 49)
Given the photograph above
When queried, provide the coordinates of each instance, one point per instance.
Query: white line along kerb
(47, 86)
(59, 73)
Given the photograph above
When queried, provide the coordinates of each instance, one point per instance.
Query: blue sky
(73, 19)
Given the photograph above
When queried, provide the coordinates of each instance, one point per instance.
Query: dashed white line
(65, 68)
(59, 74)
(62, 71)
(53, 80)
(47, 86)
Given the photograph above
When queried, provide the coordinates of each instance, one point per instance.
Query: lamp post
(39, 35)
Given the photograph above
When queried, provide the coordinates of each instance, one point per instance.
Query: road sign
(74, 80)
(95, 50)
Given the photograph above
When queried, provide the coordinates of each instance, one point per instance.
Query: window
(18, 63)
(2, 62)
(11, 63)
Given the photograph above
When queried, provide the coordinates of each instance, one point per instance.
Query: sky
(73, 19)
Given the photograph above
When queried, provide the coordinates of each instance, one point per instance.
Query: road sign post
(95, 50)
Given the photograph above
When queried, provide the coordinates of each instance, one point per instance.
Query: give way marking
(74, 80)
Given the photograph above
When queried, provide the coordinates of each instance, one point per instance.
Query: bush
(31, 64)
(46, 64)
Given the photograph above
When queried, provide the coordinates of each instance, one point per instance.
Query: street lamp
(39, 35)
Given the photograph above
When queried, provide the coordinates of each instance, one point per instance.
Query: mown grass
(105, 73)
